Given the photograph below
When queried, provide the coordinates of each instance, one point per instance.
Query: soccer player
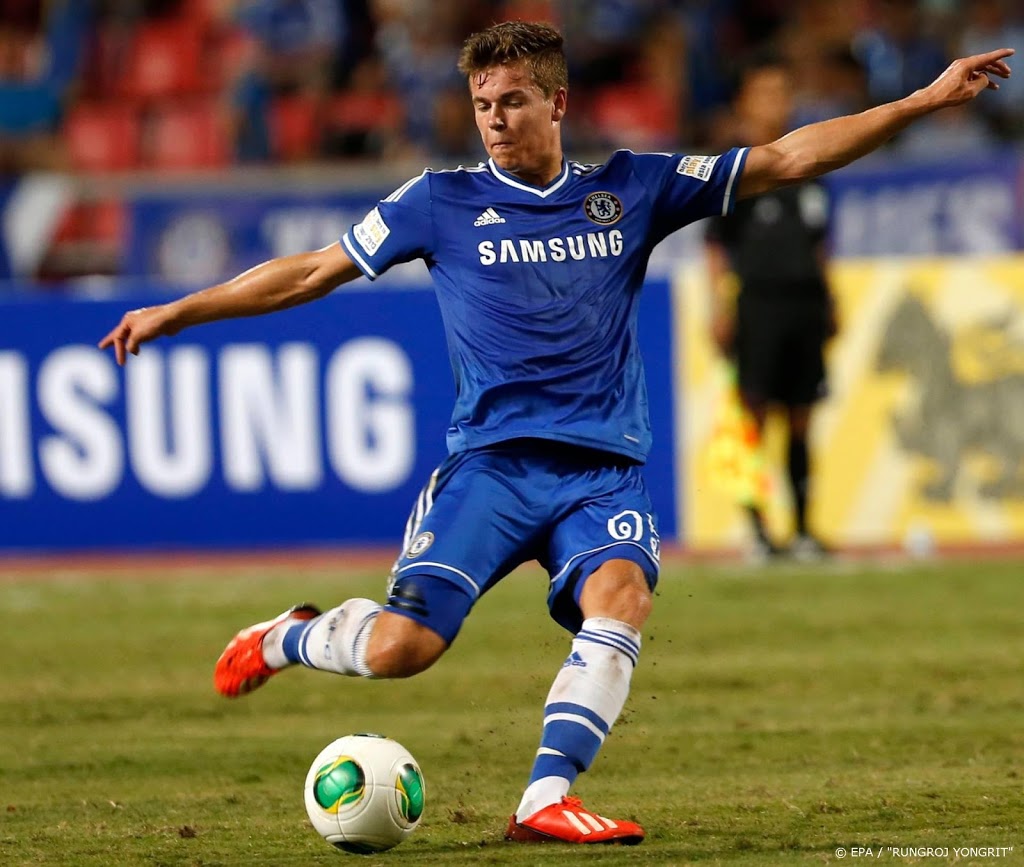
(537, 263)
(772, 310)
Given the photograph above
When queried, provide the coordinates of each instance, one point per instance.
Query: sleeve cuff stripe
(358, 259)
(737, 166)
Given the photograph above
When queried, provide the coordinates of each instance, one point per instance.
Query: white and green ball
(364, 793)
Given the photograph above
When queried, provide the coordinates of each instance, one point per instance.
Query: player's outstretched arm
(821, 147)
(274, 285)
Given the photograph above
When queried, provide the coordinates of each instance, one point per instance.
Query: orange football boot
(570, 822)
(241, 667)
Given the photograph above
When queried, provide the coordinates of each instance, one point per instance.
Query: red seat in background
(166, 58)
(103, 136)
(188, 135)
(358, 110)
(636, 116)
(294, 127)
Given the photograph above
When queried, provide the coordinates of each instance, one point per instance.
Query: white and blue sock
(583, 704)
(335, 641)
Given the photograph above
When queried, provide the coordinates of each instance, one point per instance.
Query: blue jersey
(538, 287)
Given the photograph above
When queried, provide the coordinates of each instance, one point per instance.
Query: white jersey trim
(732, 180)
(397, 194)
(557, 185)
(575, 557)
(402, 190)
(359, 260)
(452, 569)
(479, 167)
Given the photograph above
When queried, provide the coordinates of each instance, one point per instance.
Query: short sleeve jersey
(539, 287)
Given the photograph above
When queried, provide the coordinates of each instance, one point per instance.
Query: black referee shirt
(772, 242)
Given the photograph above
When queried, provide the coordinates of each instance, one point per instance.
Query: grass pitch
(776, 716)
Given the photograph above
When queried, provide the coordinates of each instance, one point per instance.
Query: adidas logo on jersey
(489, 218)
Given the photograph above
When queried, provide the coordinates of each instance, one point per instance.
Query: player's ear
(558, 104)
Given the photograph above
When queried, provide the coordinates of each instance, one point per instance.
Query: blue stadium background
(150, 148)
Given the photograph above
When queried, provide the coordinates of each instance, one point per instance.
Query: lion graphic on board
(953, 418)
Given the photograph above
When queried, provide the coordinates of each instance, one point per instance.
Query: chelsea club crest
(602, 208)
(419, 545)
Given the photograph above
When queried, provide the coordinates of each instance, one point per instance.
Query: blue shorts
(486, 511)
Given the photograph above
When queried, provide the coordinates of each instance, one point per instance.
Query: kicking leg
(585, 700)
(357, 638)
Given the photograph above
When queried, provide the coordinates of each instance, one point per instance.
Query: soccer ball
(364, 793)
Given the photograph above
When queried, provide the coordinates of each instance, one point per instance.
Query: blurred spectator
(898, 52)
(989, 23)
(313, 79)
(292, 51)
(418, 42)
(828, 79)
(834, 85)
(720, 36)
(39, 60)
(365, 118)
(602, 37)
(644, 109)
(291, 56)
(300, 40)
(250, 97)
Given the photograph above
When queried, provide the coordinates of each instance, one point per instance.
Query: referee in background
(772, 310)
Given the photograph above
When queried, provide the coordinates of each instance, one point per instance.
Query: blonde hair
(537, 46)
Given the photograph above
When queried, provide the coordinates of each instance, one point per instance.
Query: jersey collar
(543, 192)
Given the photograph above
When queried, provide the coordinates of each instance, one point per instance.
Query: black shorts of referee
(779, 347)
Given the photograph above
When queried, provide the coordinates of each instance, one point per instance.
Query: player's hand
(965, 78)
(137, 327)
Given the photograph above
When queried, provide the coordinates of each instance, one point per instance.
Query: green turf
(775, 716)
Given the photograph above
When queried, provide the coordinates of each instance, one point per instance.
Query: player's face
(520, 127)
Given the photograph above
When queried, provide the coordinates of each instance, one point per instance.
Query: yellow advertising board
(921, 441)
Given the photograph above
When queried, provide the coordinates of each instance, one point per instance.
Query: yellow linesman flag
(735, 455)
